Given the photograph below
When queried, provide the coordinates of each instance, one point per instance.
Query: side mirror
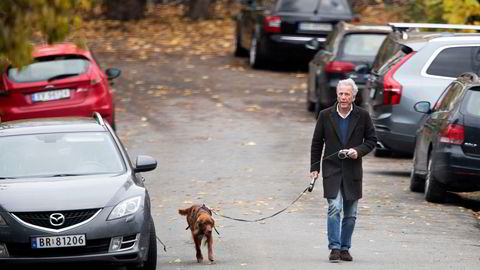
(422, 107)
(313, 44)
(113, 73)
(145, 164)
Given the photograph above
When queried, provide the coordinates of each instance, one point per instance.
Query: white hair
(351, 83)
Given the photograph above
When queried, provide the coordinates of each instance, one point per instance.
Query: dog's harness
(194, 216)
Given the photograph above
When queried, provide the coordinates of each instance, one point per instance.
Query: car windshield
(310, 6)
(59, 154)
(472, 102)
(49, 68)
(362, 45)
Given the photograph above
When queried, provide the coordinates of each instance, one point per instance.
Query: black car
(69, 193)
(348, 53)
(279, 29)
(447, 149)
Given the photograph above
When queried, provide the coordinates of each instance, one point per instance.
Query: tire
(318, 109)
(151, 262)
(239, 50)
(417, 183)
(256, 57)
(433, 191)
(310, 105)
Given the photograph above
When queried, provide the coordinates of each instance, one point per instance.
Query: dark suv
(279, 29)
(410, 67)
(348, 53)
(447, 152)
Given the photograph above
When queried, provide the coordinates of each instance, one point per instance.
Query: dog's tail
(184, 212)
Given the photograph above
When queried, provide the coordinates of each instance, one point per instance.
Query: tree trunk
(200, 9)
(125, 10)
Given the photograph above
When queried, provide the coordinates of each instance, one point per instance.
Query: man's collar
(338, 111)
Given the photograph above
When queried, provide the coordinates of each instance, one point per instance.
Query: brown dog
(201, 223)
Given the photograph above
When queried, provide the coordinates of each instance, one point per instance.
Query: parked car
(447, 151)
(69, 193)
(63, 80)
(267, 29)
(348, 53)
(410, 67)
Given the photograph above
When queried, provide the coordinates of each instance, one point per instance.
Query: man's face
(345, 96)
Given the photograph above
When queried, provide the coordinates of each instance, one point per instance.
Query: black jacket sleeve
(317, 143)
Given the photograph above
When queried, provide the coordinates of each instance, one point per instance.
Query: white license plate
(59, 241)
(315, 27)
(51, 95)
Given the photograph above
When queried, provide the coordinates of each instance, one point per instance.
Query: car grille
(96, 246)
(42, 219)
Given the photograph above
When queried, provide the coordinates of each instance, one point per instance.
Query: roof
(416, 40)
(50, 125)
(58, 48)
(365, 27)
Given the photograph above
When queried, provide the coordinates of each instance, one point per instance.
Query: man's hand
(352, 153)
(314, 174)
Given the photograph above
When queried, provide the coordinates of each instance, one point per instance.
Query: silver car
(69, 193)
(411, 67)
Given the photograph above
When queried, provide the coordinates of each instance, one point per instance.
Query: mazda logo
(57, 219)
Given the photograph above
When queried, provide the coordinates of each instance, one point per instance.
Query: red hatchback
(63, 80)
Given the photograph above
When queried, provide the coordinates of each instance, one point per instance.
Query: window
(59, 154)
(389, 52)
(310, 6)
(362, 45)
(472, 102)
(452, 62)
(46, 68)
(450, 98)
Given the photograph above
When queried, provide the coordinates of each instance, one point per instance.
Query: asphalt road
(238, 140)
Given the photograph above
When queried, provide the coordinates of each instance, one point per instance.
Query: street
(238, 140)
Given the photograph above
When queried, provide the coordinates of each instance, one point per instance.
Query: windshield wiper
(66, 174)
(5, 177)
(61, 76)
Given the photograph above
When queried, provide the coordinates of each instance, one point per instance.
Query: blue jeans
(341, 237)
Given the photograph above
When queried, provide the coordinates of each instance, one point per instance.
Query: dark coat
(361, 137)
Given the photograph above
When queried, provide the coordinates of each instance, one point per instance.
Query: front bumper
(99, 233)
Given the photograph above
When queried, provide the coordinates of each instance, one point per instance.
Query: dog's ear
(186, 211)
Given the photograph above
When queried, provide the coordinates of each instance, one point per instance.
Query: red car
(63, 80)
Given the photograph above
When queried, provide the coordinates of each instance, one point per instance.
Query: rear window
(310, 6)
(47, 155)
(48, 68)
(389, 52)
(452, 62)
(472, 101)
(363, 45)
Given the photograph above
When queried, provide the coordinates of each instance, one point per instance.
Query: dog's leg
(210, 247)
(198, 243)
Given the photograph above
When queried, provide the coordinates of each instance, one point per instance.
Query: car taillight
(454, 134)
(392, 90)
(272, 24)
(339, 67)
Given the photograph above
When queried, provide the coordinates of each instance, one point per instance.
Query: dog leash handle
(312, 184)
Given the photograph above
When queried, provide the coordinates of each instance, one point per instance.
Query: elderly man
(344, 126)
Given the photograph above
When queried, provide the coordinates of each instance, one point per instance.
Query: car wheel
(417, 184)
(239, 50)
(256, 58)
(318, 109)
(151, 262)
(433, 191)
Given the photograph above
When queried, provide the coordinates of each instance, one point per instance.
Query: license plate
(51, 95)
(59, 241)
(315, 27)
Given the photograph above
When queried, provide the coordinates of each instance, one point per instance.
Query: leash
(341, 154)
(164, 247)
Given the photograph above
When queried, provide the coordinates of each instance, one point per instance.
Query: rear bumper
(455, 170)
(395, 142)
(85, 108)
(287, 46)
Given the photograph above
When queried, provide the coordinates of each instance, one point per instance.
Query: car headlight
(125, 208)
(2, 221)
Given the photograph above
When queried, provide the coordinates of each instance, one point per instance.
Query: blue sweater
(343, 125)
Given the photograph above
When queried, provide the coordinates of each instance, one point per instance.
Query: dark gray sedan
(69, 193)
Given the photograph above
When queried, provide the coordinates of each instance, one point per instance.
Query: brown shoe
(334, 255)
(345, 256)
